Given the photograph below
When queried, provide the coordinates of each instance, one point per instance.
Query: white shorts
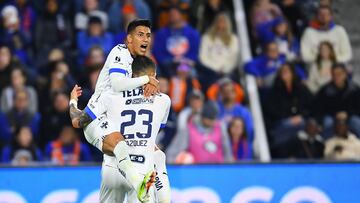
(96, 131)
(115, 188)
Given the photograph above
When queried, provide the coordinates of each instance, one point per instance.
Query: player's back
(139, 120)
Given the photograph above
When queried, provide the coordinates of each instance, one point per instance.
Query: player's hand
(153, 81)
(150, 90)
(76, 92)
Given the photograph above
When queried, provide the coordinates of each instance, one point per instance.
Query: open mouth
(143, 47)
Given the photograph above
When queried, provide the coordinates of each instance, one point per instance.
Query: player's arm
(79, 118)
(119, 77)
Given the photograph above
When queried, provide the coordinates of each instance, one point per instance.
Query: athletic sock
(125, 165)
(162, 184)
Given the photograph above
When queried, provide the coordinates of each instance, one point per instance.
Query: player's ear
(128, 38)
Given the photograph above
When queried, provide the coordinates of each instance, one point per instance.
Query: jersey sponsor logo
(137, 158)
(139, 101)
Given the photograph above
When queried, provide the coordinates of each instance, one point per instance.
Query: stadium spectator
(344, 145)
(18, 82)
(67, 149)
(12, 35)
(320, 70)
(90, 9)
(55, 118)
(163, 9)
(195, 104)
(324, 29)
(207, 12)
(118, 9)
(287, 104)
(5, 131)
(167, 133)
(229, 108)
(213, 92)
(94, 35)
(340, 95)
(177, 42)
(128, 14)
(7, 62)
(52, 30)
(308, 143)
(95, 57)
(181, 85)
(206, 137)
(219, 48)
(262, 12)
(241, 146)
(53, 75)
(27, 16)
(294, 12)
(22, 143)
(20, 114)
(280, 33)
(264, 67)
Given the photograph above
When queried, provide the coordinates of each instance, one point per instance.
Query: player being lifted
(116, 76)
(139, 119)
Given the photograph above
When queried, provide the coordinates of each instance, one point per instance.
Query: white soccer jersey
(119, 60)
(139, 119)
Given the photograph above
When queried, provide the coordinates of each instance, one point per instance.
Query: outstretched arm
(79, 119)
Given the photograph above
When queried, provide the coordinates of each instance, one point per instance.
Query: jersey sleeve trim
(117, 70)
(163, 125)
(90, 113)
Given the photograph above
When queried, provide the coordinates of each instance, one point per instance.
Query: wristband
(74, 102)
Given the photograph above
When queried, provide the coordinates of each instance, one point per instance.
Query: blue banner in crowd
(261, 183)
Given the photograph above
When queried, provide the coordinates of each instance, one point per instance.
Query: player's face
(139, 40)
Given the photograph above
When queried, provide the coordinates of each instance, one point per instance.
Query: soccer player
(140, 119)
(116, 75)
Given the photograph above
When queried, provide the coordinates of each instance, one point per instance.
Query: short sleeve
(119, 61)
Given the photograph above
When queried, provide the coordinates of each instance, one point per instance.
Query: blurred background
(272, 85)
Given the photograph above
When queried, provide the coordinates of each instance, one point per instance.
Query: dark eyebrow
(140, 32)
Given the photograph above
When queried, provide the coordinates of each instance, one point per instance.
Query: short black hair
(339, 65)
(142, 64)
(138, 22)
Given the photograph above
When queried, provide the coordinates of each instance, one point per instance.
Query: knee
(110, 141)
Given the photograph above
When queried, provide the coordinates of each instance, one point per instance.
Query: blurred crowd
(301, 65)
(310, 104)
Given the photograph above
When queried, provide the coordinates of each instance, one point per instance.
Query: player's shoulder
(163, 98)
(121, 49)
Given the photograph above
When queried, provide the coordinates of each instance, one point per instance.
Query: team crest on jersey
(104, 125)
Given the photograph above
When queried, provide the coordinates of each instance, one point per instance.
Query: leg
(115, 143)
(162, 184)
(113, 185)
